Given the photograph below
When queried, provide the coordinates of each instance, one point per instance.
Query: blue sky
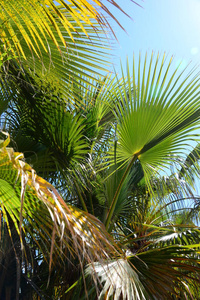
(171, 26)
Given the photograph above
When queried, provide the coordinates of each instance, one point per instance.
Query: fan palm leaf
(156, 118)
(155, 274)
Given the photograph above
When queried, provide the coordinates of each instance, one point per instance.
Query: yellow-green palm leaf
(34, 20)
(57, 41)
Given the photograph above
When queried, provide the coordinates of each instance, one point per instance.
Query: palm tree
(112, 229)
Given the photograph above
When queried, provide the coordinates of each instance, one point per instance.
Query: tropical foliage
(97, 173)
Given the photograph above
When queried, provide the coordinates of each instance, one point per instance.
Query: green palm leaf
(166, 271)
(157, 116)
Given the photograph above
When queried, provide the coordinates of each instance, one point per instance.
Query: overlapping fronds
(158, 232)
(37, 20)
(56, 40)
(99, 146)
(57, 68)
(52, 138)
(160, 273)
(167, 271)
(155, 224)
(27, 199)
(162, 260)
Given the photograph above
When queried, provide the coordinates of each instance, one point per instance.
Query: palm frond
(27, 198)
(34, 20)
(160, 273)
(155, 119)
(156, 115)
(57, 41)
(166, 272)
(118, 279)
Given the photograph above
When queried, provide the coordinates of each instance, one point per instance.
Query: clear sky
(171, 26)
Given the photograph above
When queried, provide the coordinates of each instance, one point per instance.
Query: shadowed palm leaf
(26, 198)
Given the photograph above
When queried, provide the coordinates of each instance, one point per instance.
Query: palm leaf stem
(91, 204)
(114, 201)
(80, 197)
